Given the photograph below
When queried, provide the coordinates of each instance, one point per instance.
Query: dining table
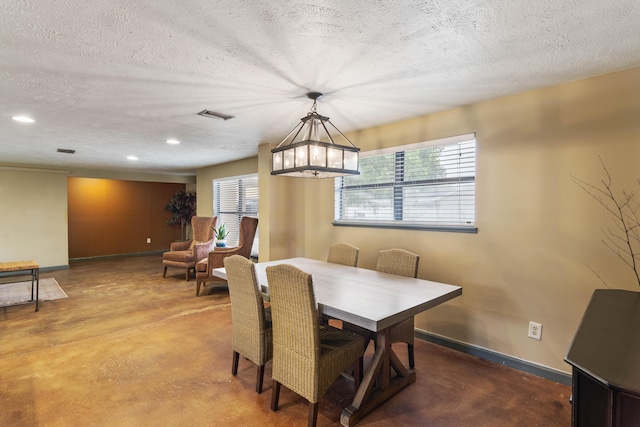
(374, 301)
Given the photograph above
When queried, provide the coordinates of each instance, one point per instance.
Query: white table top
(366, 298)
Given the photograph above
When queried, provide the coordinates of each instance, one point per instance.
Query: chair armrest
(200, 250)
(202, 266)
(216, 258)
(180, 245)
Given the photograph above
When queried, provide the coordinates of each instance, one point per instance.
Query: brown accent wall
(110, 217)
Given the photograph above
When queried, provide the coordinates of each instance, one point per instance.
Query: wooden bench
(16, 268)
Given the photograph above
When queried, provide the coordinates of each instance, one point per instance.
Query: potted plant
(183, 207)
(220, 234)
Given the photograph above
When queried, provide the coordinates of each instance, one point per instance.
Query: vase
(221, 243)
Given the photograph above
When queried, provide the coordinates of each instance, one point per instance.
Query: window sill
(447, 229)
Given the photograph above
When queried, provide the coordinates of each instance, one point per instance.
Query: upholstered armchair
(215, 259)
(186, 254)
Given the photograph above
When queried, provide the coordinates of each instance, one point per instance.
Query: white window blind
(426, 185)
(234, 198)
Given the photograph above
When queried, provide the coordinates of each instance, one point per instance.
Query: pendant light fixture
(312, 152)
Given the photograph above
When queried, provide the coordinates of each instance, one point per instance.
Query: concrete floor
(129, 348)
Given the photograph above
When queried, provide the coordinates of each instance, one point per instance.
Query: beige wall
(538, 232)
(33, 216)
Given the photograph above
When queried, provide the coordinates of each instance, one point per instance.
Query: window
(234, 198)
(429, 185)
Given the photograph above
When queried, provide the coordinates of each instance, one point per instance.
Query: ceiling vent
(214, 115)
(66, 151)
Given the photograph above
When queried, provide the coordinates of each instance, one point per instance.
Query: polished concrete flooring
(129, 348)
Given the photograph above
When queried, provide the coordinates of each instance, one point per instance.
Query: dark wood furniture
(375, 301)
(16, 268)
(605, 357)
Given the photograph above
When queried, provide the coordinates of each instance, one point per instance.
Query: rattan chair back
(343, 253)
(401, 263)
(398, 262)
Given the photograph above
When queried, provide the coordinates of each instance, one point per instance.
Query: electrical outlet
(148, 239)
(535, 330)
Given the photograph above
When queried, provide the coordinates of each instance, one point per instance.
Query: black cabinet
(605, 356)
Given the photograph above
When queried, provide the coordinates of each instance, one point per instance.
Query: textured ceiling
(120, 77)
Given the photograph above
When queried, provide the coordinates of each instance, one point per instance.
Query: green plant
(221, 232)
(183, 207)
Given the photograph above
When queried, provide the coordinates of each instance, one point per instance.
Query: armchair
(187, 253)
(215, 258)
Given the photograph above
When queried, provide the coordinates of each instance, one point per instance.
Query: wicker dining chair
(307, 358)
(251, 334)
(400, 263)
(343, 253)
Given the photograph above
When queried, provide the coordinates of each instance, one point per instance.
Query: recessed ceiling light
(132, 158)
(173, 141)
(23, 119)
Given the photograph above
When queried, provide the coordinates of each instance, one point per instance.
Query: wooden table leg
(368, 396)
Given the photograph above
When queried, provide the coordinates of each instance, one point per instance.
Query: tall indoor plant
(183, 207)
